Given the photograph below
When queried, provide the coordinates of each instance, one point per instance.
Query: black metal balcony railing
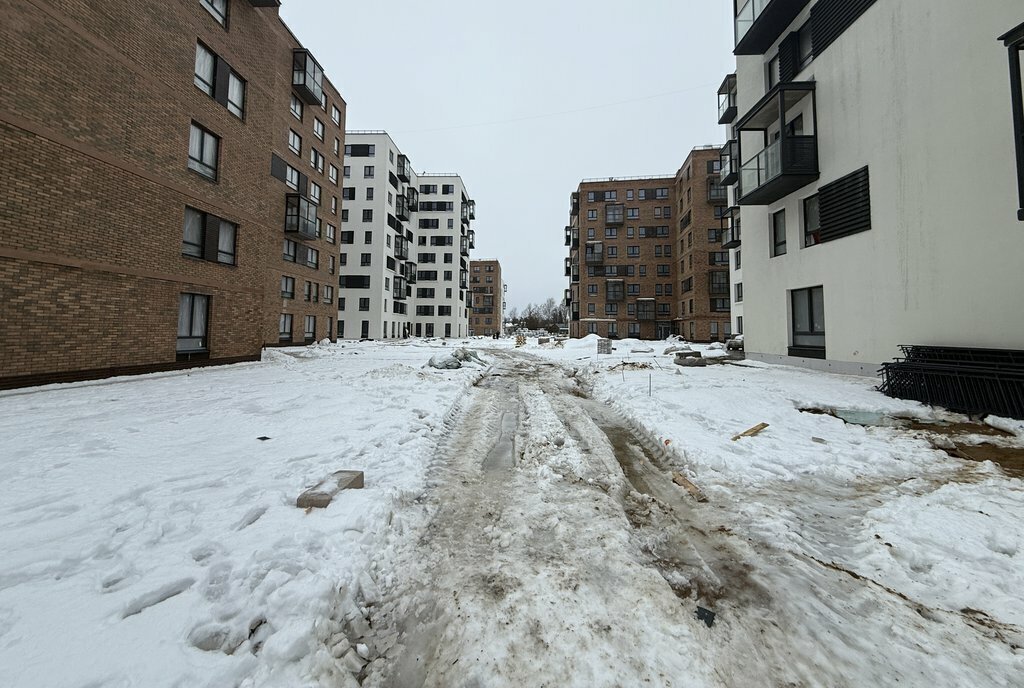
(790, 161)
(307, 77)
(300, 216)
(759, 23)
(731, 236)
(728, 163)
(727, 100)
(778, 170)
(404, 168)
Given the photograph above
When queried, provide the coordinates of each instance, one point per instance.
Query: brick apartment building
(488, 292)
(703, 268)
(635, 244)
(170, 187)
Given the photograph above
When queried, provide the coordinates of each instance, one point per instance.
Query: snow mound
(642, 350)
(716, 346)
(455, 359)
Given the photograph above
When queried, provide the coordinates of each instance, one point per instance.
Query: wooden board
(319, 496)
(681, 480)
(751, 432)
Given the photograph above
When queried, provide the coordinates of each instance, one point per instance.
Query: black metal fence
(961, 379)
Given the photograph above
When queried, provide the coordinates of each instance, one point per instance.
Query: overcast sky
(524, 99)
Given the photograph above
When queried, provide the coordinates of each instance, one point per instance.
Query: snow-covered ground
(149, 538)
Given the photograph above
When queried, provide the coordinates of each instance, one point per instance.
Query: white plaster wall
(919, 92)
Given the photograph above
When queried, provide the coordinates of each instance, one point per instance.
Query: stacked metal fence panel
(960, 379)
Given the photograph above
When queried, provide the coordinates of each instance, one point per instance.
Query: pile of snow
(455, 359)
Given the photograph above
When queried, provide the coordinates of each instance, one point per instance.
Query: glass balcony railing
(747, 15)
(762, 168)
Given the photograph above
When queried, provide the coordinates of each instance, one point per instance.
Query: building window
(202, 151)
(369, 193)
(812, 222)
(315, 192)
(331, 233)
(773, 71)
(738, 262)
(368, 215)
(312, 258)
(336, 115)
(193, 311)
(290, 250)
(296, 108)
(294, 142)
(808, 322)
(367, 237)
(368, 172)
(364, 304)
(206, 64)
(316, 160)
(291, 178)
(328, 294)
(779, 233)
(287, 288)
(739, 292)
(318, 128)
(284, 328)
(591, 214)
(236, 95)
(337, 147)
(806, 49)
(332, 174)
(1014, 42)
(209, 237)
(309, 331)
(218, 8)
(364, 259)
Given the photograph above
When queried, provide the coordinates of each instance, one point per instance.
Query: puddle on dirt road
(943, 435)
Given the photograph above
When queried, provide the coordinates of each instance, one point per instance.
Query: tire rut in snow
(468, 498)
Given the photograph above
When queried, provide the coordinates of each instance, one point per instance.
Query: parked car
(735, 343)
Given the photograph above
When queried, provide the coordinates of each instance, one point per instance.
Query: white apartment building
(383, 231)
(873, 151)
(443, 242)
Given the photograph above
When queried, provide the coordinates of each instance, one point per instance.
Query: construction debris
(320, 496)
(751, 432)
(681, 480)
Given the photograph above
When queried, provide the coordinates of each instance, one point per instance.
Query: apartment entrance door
(664, 330)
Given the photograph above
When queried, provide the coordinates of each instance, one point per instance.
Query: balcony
(790, 161)
(575, 313)
(728, 162)
(759, 23)
(645, 309)
(412, 199)
(404, 168)
(468, 211)
(307, 77)
(731, 230)
(568, 267)
(574, 204)
(595, 253)
(409, 272)
(464, 245)
(471, 235)
(572, 237)
(568, 297)
(721, 287)
(614, 214)
(401, 249)
(398, 288)
(717, 194)
(463, 279)
(300, 217)
(727, 100)
(401, 208)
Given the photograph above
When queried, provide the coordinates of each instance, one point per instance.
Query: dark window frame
(778, 248)
(220, 17)
(199, 165)
(192, 334)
